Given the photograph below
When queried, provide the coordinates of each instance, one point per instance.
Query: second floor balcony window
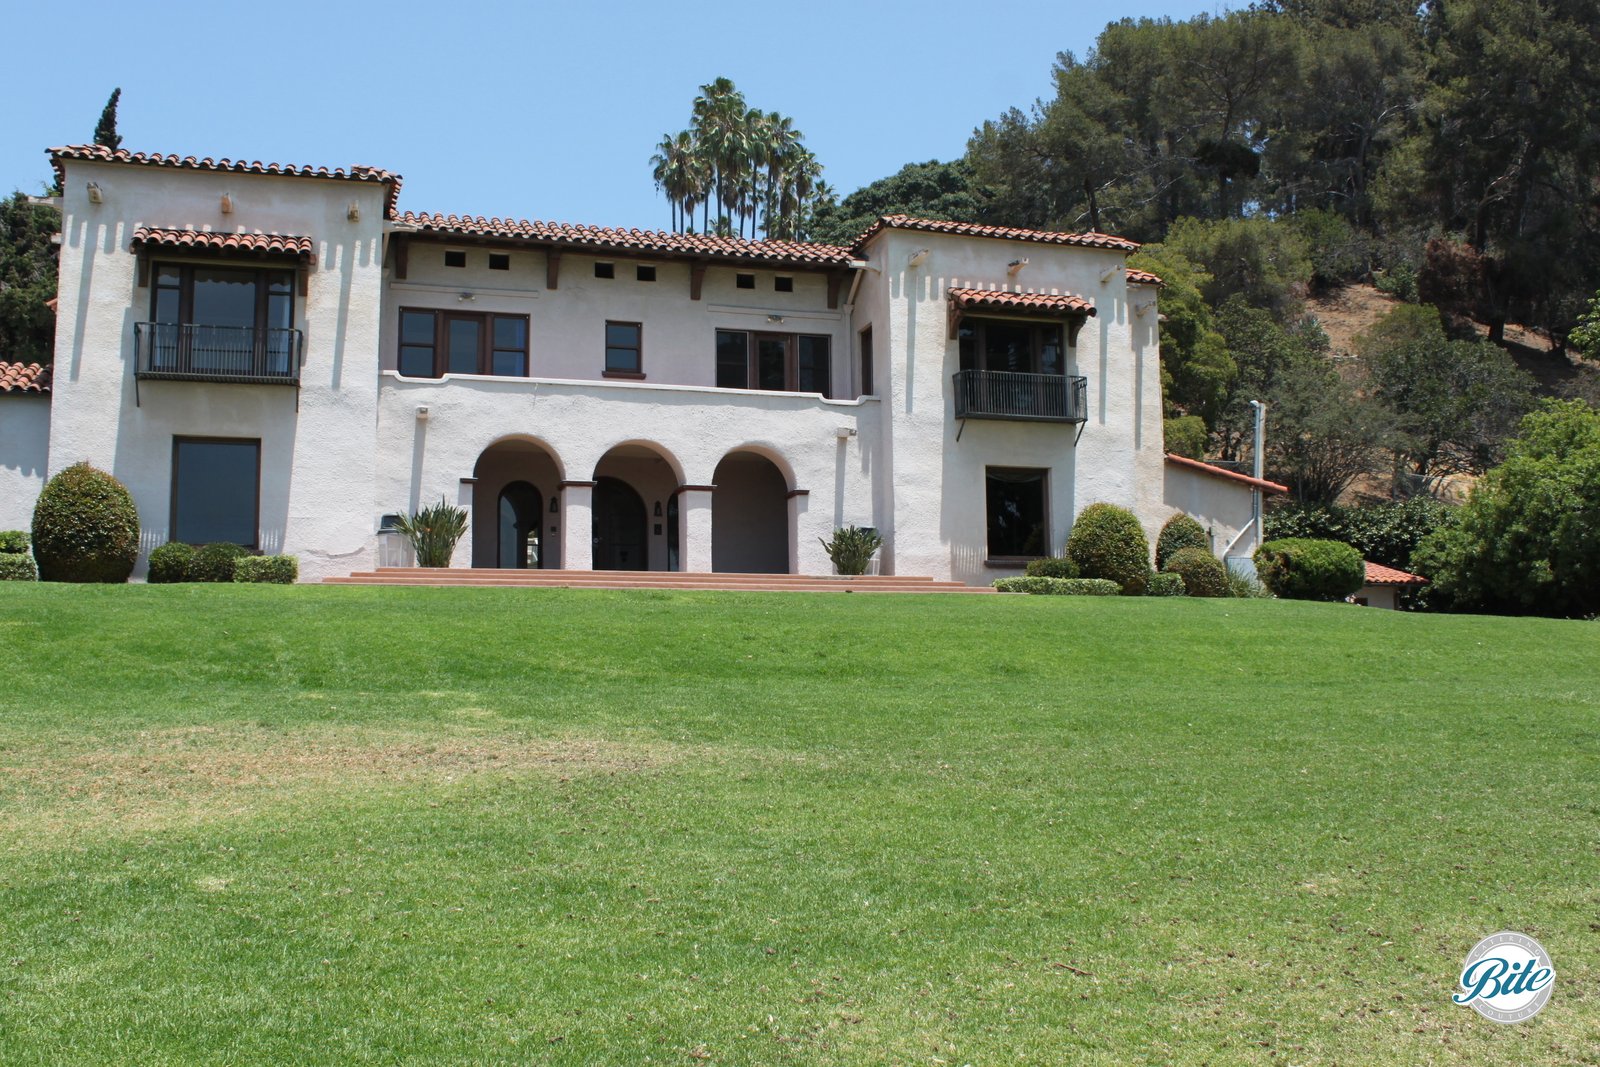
(786, 362)
(998, 344)
(436, 343)
(222, 320)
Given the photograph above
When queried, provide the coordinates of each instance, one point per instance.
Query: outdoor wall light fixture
(94, 193)
(466, 297)
(844, 433)
(354, 212)
(774, 318)
(422, 413)
(658, 509)
(227, 204)
(918, 258)
(1140, 309)
(1109, 273)
(1015, 266)
(555, 506)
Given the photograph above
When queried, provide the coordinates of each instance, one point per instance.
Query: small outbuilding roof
(1220, 472)
(1378, 574)
(24, 378)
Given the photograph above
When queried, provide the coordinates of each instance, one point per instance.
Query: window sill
(631, 375)
(1010, 563)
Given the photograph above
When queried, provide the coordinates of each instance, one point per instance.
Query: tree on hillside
(1265, 261)
(1196, 367)
(930, 190)
(27, 280)
(105, 131)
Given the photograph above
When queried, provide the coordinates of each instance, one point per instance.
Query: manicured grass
(316, 825)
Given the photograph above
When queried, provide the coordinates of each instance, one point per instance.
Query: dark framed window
(644, 274)
(866, 362)
(605, 270)
(436, 343)
(203, 295)
(781, 284)
(1018, 506)
(785, 362)
(744, 281)
(499, 260)
(624, 348)
(1002, 344)
(453, 258)
(216, 490)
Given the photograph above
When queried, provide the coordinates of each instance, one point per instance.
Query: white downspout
(1257, 519)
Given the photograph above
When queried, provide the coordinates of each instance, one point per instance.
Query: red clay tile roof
(1143, 277)
(973, 229)
(1218, 472)
(24, 378)
(1378, 574)
(605, 239)
(1000, 300)
(207, 240)
(102, 154)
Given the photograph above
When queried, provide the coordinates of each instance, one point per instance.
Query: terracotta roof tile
(973, 229)
(1000, 300)
(1378, 574)
(101, 154)
(1143, 277)
(272, 243)
(1219, 472)
(605, 239)
(24, 378)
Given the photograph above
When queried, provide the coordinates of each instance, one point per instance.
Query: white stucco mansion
(278, 356)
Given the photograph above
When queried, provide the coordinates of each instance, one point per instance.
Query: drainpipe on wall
(1259, 467)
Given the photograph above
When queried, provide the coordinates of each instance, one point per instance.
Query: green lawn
(337, 825)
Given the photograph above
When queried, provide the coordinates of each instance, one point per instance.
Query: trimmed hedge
(1179, 533)
(214, 562)
(1297, 568)
(275, 570)
(1052, 567)
(13, 541)
(1169, 584)
(1059, 586)
(1203, 573)
(17, 567)
(85, 527)
(1108, 542)
(170, 563)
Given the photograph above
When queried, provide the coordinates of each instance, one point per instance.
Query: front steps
(557, 579)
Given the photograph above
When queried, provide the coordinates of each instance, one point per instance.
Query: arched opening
(521, 525)
(634, 485)
(512, 522)
(750, 516)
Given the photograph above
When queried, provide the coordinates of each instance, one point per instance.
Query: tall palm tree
(667, 170)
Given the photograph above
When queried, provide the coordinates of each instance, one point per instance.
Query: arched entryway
(521, 531)
(513, 523)
(634, 485)
(750, 515)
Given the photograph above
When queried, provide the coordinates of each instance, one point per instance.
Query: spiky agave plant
(433, 532)
(851, 549)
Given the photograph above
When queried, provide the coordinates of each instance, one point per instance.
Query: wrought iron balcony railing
(999, 394)
(190, 353)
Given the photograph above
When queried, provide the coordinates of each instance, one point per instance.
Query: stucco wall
(1222, 506)
(24, 452)
(750, 516)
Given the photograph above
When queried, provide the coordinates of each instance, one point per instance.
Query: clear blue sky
(535, 110)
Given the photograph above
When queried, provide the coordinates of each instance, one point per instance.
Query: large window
(998, 344)
(216, 490)
(796, 363)
(435, 343)
(625, 349)
(1018, 506)
(866, 362)
(224, 320)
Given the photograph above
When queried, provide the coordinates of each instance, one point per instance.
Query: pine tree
(105, 131)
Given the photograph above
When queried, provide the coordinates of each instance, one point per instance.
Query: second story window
(436, 343)
(1000, 344)
(221, 320)
(625, 349)
(787, 362)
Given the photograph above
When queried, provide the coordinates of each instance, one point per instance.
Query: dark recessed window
(1017, 506)
(499, 261)
(745, 281)
(733, 359)
(434, 343)
(243, 319)
(866, 362)
(785, 362)
(605, 270)
(995, 344)
(215, 493)
(645, 274)
(455, 259)
(623, 348)
(783, 285)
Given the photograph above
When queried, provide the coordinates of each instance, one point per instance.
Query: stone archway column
(798, 499)
(694, 529)
(577, 526)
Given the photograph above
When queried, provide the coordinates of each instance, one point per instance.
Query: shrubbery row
(219, 561)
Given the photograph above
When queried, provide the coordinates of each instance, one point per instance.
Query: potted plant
(851, 549)
(433, 532)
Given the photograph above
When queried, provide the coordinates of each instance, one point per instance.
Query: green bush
(276, 570)
(1298, 568)
(1180, 532)
(1203, 573)
(85, 528)
(170, 563)
(1170, 584)
(13, 541)
(1185, 435)
(214, 562)
(1108, 542)
(1052, 567)
(1244, 587)
(851, 549)
(433, 533)
(1059, 586)
(17, 567)
(1384, 533)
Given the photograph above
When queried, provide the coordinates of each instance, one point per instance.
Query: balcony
(166, 351)
(1015, 396)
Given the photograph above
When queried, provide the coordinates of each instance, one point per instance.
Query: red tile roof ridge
(1378, 574)
(1143, 277)
(25, 377)
(1089, 239)
(1222, 472)
(222, 240)
(1002, 298)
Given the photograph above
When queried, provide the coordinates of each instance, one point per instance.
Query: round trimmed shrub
(1052, 567)
(214, 562)
(170, 563)
(1108, 542)
(1298, 568)
(85, 527)
(13, 540)
(1203, 574)
(17, 567)
(1168, 584)
(1179, 533)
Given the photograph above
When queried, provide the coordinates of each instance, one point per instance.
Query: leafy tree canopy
(930, 190)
